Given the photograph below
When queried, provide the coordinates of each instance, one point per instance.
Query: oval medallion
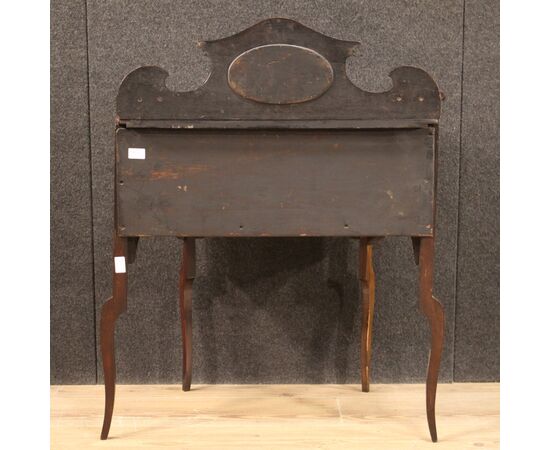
(280, 74)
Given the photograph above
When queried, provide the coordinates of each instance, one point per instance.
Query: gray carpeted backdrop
(273, 310)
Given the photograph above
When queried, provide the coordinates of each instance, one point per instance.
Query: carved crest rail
(277, 142)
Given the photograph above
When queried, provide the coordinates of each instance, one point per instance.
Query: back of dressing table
(277, 142)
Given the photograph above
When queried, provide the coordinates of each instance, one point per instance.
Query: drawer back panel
(273, 183)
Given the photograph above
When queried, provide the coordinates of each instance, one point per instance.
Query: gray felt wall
(273, 310)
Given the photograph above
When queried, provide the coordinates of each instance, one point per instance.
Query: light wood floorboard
(276, 417)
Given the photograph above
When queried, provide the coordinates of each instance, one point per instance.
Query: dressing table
(277, 142)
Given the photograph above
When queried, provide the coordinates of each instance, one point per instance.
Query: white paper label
(120, 264)
(136, 153)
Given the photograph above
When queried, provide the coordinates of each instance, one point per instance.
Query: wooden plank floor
(276, 417)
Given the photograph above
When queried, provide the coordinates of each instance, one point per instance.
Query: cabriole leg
(433, 310)
(110, 311)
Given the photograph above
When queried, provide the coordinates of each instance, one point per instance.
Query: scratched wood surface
(270, 183)
(372, 173)
(277, 69)
(280, 74)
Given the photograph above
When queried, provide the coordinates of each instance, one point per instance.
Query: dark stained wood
(187, 275)
(433, 310)
(280, 74)
(366, 275)
(143, 94)
(277, 142)
(346, 124)
(267, 183)
(110, 311)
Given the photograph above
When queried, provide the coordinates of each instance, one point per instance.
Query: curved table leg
(110, 311)
(367, 292)
(433, 310)
(187, 275)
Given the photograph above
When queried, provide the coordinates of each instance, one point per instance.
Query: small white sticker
(120, 264)
(136, 153)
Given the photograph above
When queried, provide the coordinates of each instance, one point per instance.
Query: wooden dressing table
(277, 142)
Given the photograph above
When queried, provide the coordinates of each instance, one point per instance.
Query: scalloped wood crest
(276, 70)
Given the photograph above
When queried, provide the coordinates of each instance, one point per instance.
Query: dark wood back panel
(275, 70)
(276, 183)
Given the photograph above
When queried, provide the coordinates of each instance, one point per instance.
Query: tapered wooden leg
(110, 311)
(187, 275)
(367, 292)
(434, 312)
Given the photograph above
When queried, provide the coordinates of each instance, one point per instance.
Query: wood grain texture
(366, 275)
(268, 183)
(186, 278)
(418, 37)
(433, 311)
(280, 74)
(110, 312)
(276, 416)
(143, 95)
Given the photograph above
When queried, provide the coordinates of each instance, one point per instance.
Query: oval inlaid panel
(280, 74)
